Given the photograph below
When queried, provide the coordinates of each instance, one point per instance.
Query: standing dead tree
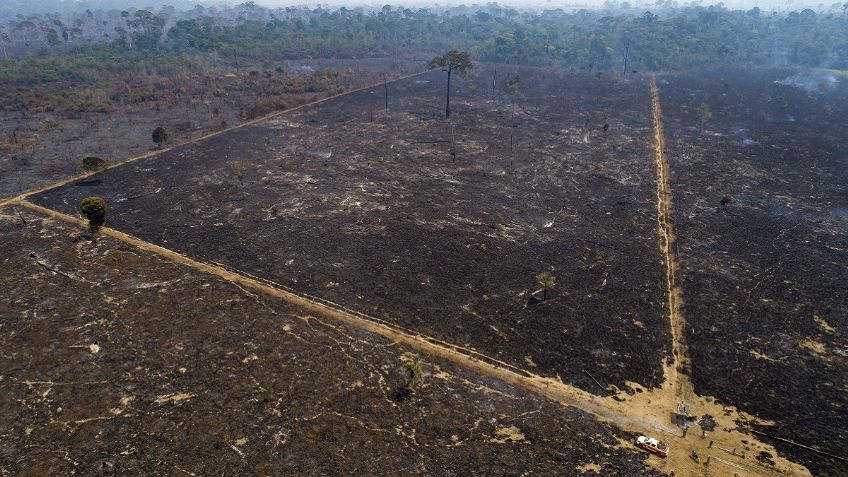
(450, 61)
(386, 90)
(513, 82)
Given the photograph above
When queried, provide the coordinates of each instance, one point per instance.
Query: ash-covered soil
(765, 278)
(37, 148)
(115, 361)
(437, 226)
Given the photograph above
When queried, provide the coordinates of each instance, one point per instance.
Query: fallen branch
(595, 380)
(55, 270)
(802, 446)
(601, 245)
(124, 199)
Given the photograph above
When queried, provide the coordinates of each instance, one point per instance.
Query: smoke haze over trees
(659, 39)
(88, 47)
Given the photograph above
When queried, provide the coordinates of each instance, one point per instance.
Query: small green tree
(726, 200)
(95, 209)
(160, 136)
(450, 61)
(94, 164)
(413, 368)
(547, 281)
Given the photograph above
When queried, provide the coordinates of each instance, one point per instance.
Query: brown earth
(39, 147)
(382, 218)
(117, 361)
(691, 134)
(764, 277)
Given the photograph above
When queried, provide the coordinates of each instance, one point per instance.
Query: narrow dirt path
(679, 365)
(677, 387)
(645, 412)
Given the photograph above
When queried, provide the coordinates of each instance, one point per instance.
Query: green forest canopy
(675, 38)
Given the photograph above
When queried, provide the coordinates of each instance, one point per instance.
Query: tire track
(644, 411)
(674, 370)
(463, 356)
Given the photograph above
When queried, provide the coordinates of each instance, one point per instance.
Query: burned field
(118, 361)
(765, 272)
(440, 228)
(48, 144)
(436, 226)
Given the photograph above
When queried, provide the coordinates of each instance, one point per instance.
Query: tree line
(610, 39)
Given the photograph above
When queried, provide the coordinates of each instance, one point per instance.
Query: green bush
(94, 208)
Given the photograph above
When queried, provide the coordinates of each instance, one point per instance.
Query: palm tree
(547, 281)
(450, 61)
(413, 367)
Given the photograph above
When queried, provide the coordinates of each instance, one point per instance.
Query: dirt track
(636, 413)
(646, 411)
(375, 216)
(666, 243)
(209, 377)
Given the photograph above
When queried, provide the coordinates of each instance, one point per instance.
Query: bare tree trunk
(512, 127)
(447, 103)
(452, 148)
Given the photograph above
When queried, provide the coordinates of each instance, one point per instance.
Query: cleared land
(765, 278)
(117, 361)
(44, 146)
(440, 227)
(382, 218)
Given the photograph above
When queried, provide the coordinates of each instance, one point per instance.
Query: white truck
(652, 445)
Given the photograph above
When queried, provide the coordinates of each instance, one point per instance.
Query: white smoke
(812, 81)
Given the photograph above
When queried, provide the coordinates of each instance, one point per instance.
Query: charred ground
(43, 143)
(118, 361)
(764, 277)
(388, 218)
(440, 227)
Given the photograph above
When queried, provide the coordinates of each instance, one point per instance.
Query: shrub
(94, 164)
(160, 136)
(413, 367)
(95, 209)
(263, 107)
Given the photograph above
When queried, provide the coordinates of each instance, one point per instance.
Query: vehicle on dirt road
(652, 445)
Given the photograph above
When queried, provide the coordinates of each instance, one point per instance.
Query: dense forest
(89, 46)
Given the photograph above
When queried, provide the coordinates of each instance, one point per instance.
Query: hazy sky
(552, 4)
(9, 8)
